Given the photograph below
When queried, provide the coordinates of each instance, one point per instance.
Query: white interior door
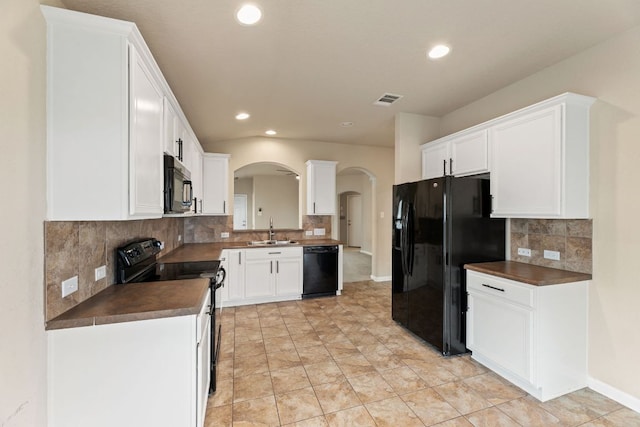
(239, 211)
(354, 220)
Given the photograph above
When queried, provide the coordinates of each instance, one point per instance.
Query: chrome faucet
(272, 233)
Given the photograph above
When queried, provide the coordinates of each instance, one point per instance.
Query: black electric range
(137, 263)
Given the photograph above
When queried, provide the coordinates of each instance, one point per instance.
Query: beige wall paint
(278, 198)
(610, 72)
(294, 153)
(411, 131)
(22, 164)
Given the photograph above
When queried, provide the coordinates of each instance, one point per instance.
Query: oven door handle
(220, 276)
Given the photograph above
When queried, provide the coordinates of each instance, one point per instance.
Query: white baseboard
(611, 392)
(366, 252)
(380, 278)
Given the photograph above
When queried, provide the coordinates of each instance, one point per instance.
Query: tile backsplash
(78, 247)
(208, 229)
(571, 237)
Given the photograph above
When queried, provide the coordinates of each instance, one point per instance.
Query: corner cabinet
(104, 120)
(534, 336)
(260, 275)
(540, 160)
(321, 187)
(462, 154)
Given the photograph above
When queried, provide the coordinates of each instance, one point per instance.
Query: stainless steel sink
(272, 242)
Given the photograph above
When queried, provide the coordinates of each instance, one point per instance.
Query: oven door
(217, 283)
(204, 356)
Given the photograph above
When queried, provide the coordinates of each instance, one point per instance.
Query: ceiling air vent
(387, 99)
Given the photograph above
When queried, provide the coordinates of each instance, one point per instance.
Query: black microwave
(178, 190)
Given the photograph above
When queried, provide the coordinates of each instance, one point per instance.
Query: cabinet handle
(271, 266)
(450, 166)
(314, 207)
(444, 167)
(491, 204)
(240, 258)
(275, 253)
(278, 267)
(224, 206)
(493, 287)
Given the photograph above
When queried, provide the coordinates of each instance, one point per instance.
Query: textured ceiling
(311, 64)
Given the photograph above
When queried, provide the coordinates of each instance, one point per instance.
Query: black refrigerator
(438, 226)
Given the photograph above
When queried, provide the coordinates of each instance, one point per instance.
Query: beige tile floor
(342, 361)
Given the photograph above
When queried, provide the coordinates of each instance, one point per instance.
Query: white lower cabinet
(130, 374)
(534, 336)
(261, 275)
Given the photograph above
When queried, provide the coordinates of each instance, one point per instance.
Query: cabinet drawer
(501, 288)
(277, 252)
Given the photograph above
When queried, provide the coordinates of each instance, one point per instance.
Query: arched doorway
(355, 223)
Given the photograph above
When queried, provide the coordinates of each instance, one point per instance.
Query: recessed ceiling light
(249, 14)
(242, 116)
(346, 124)
(439, 51)
(271, 132)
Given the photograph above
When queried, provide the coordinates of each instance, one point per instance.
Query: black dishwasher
(320, 277)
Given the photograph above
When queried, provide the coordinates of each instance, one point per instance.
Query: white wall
(411, 131)
(610, 72)
(294, 153)
(22, 170)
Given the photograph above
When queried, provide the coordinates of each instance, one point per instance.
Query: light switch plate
(101, 272)
(224, 235)
(308, 233)
(69, 286)
(318, 231)
(554, 255)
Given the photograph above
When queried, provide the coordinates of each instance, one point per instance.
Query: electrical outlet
(382, 214)
(101, 272)
(224, 234)
(179, 237)
(69, 286)
(308, 233)
(554, 255)
(524, 251)
(318, 231)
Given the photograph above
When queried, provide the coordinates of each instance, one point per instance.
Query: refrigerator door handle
(403, 243)
(410, 240)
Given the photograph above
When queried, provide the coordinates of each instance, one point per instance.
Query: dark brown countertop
(136, 301)
(528, 273)
(211, 251)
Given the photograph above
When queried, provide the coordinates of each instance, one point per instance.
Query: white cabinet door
(145, 143)
(469, 154)
(500, 331)
(526, 175)
(234, 264)
(435, 158)
(321, 187)
(215, 184)
(196, 179)
(289, 276)
(259, 277)
(170, 119)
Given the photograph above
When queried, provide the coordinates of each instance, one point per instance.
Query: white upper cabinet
(321, 187)
(215, 184)
(110, 116)
(461, 154)
(145, 141)
(537, 157)
(435, 156)
(540, 160)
